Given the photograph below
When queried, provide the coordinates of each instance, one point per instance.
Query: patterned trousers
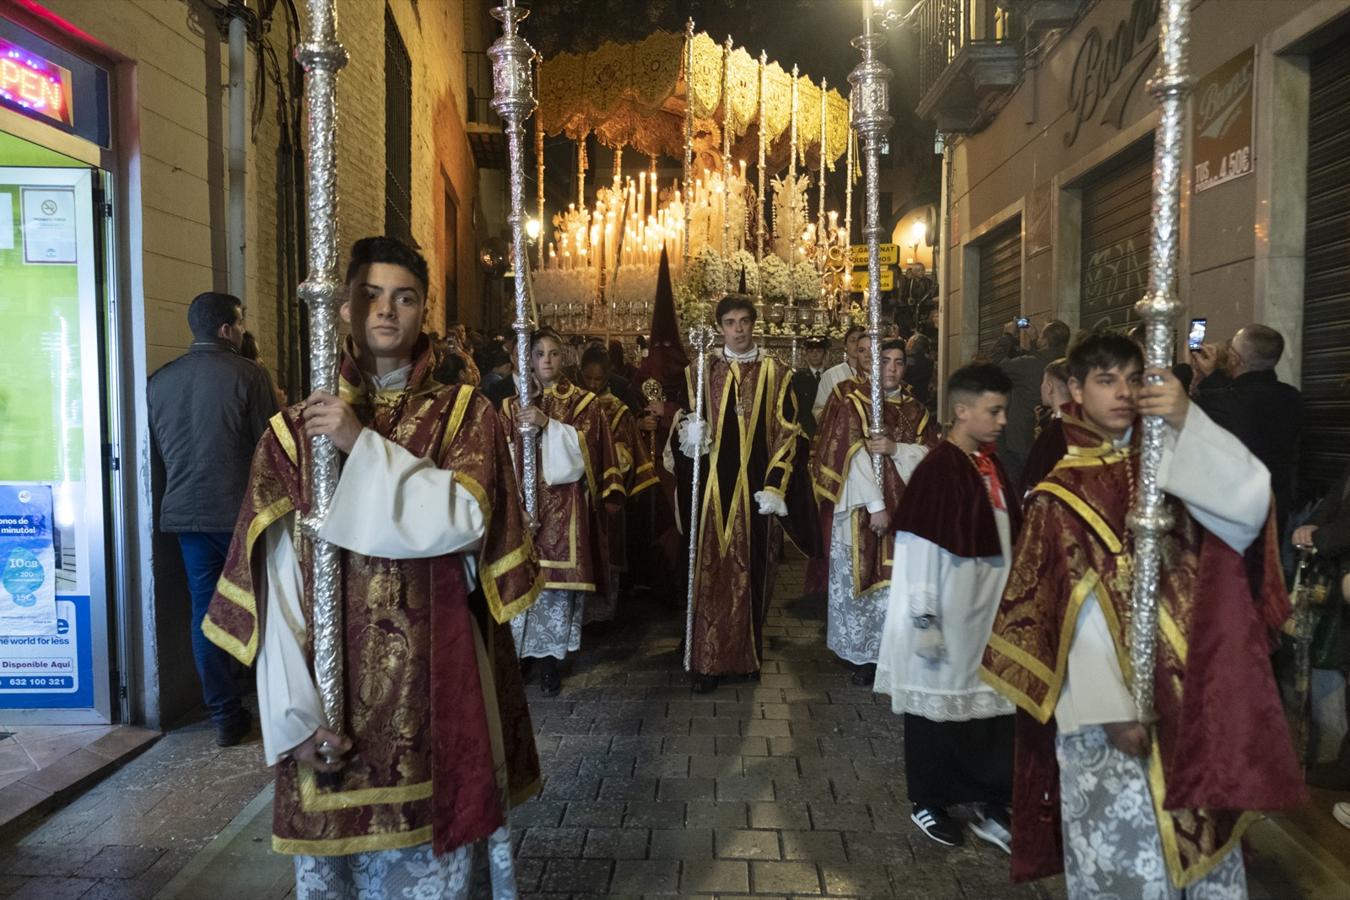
(478, 871)
(1112, 849)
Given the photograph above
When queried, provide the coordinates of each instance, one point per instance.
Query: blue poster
(27, 560)
(53, 671)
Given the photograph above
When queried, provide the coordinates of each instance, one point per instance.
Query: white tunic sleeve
(289, 708)
(391, 504)
(560, 448)
(922, 563)
(1223, 485)
(860, 486)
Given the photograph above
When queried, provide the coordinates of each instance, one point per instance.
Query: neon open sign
(35, 84)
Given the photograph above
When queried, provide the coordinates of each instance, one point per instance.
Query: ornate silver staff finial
(1149, 519)
(701, 338)
(870, 99)
(321, 56)
(513, 100)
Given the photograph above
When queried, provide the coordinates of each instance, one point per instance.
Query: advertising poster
(27, 560)
(53, 671)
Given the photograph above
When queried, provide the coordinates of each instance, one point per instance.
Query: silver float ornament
(1149, 518)
(870, 101)
(513, 100)
(321, 56)
(701, 338)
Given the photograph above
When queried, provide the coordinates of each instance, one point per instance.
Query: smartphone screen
(1196, 338)
(1023, 322)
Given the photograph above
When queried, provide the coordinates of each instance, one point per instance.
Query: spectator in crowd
(919, 371)
(208, 408)
(1328, 532)
(248, 349)
(495, 364)
(1026, 371)
(1050, 445)
(1247, 399)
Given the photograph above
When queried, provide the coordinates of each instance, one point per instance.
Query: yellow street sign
(858, 280)
(890, 255)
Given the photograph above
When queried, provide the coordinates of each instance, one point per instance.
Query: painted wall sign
(1221, 122)
(34, 83)
(1110, 66)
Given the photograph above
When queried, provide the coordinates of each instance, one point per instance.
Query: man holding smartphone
(1242, 393)
(1026, 369)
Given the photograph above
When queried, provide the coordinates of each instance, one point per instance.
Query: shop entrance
(55, 628)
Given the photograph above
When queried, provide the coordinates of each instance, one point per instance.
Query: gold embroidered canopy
(636, 95)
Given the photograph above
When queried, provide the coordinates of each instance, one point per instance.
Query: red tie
(984, 464)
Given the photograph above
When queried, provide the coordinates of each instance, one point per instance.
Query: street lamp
(532, 230)
(917, 233)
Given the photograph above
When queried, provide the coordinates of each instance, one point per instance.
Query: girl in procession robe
(435, 558)
(953, 546)
(855, 513)
(578, 474)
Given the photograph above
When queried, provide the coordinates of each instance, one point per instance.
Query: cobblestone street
(789, 787)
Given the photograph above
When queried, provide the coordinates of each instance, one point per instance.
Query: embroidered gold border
(490, 572)
(392, 840)
(284, 437)
(1053, 681)
(245, 651)
(1180, 875)
(1090, 516)
(312, 800)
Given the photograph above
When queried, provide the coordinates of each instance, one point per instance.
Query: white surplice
(552, 625)
(853, 623)
(962, 595)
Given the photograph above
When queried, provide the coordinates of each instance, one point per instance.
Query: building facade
(1049, 177)
(117, 116)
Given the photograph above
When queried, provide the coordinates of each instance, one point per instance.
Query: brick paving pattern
(792, 786)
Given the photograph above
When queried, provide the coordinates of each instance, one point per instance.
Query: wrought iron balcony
(482, 124)
(970, 57)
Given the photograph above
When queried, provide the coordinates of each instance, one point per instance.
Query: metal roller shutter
(1117, 206)
(1326, 287)
(1000, 296)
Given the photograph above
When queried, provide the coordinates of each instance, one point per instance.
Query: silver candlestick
(513, 100)
(701, 337)
(871, 106)
(1149, 518)
(320, 55)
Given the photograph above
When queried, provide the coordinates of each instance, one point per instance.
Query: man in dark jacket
(208, 408)
(1022, 354)
(806, 382)
(1248, 400)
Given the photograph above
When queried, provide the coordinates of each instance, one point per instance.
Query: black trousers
(959, 762)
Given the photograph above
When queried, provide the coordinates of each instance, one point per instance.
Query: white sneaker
(989, 828)
(1341, 811)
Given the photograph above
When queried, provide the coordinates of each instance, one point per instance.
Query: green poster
(41, 353)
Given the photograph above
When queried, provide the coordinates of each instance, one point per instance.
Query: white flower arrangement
(774, 274)
(742, 261)
(706, 272)
(805, 282)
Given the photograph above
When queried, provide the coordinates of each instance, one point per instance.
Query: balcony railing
(483, 125)
(947, 27)
(478, 80)
(968, 49)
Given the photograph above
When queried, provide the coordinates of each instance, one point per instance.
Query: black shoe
(704, 684)
(550, 682)
(864, 675)
(934, 822)
(233, 731)
(994, 826)
(1330, 776)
